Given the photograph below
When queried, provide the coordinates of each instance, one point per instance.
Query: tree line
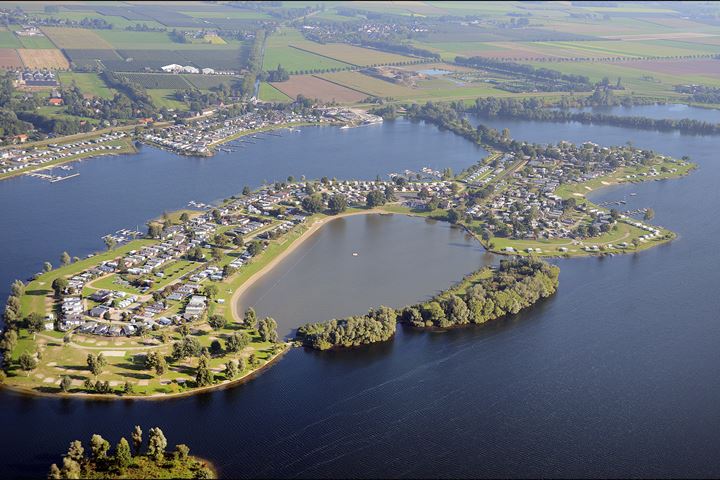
(527, 109)
(516, 284)
(141, 461)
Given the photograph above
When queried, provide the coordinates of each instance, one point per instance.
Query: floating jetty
(52, 178)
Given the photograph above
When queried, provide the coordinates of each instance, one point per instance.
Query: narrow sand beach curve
(237, 313)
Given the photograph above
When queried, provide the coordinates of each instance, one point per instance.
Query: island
(149, 459)
(155, 315)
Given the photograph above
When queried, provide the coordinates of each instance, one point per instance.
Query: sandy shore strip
(238, 315)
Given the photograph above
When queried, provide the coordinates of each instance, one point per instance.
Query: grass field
(88, 83)
(125, 40)
(279, 52)
(8, 39)
(36, 42)
(79, 38)
(43, 58)
(164, 98)
(268, 93)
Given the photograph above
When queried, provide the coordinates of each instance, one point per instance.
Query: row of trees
(527, 109)
(377, 326)
(514, 285)
(100, 461)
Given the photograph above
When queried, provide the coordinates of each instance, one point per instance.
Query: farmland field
(122, 39)
(268, 93)
(316, 87)
(164, 98)
(43, 58)
(162, 81)
(75, 38)
(88, 58)
(369, 85)
(9, 58)
(36, 42)
(279, 52)
(88, 83)
(8, 39)
(351, 54)
(206, 82)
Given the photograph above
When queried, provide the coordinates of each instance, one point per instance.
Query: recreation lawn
(89, 83)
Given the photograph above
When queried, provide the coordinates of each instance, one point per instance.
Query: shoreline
(237, 316)
(109, 397)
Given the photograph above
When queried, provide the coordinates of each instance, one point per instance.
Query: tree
(99, 447)
(123, 456)
(109, 242)
(71, 468)
(337, 203)
(157, 443)
(65, 383)
(250, 318)
(34, 322)
(453, 216)
(65, 259)
(182, 452)
(312, 203)
(390, 193)
(47, 266)
(27, 361)
(211, 291)
(9, 341)
(96, 363)
(217, 321)
(184, 217)
(267, 328)
(154, 230)
(137, 439)
(204, 376)
(156, 361)
(237, 341)
(255, 247)
(649, 214)
(17, 289)
(375, 198)
(128, 388)
(76, 451)
(231, 370)
(246, 190)
(59, 285)
(55, 472)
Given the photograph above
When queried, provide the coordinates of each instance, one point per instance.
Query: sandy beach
(237, 312)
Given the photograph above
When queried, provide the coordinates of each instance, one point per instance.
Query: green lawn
(164, 98)
(8, 39)
(268, 93)
(88, 83)
(36, 42)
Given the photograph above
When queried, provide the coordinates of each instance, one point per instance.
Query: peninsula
(157, 317)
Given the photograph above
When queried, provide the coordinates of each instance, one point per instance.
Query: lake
(615, 375)
(352, 264)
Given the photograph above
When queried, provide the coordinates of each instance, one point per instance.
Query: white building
(172, 68)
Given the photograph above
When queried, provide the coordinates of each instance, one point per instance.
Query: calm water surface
(400, 260)
(616, 375)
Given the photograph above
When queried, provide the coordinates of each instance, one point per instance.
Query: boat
(355, 254)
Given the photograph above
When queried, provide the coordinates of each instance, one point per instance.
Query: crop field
(369, 85)
(316, 87)
(88, 83)
(279, 52)
(229, 59)
(36, 42)
(89, 57)
(126, 40)
(684, 67)
(350, 54)
(8, 39)
(268, 93)
(75, 38)
(153, 81)
(206, 82)
(43, 58)
(9, 58)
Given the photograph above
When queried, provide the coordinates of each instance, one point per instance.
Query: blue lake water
(616, 375)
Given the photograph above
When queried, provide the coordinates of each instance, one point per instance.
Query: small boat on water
(355, 254)
(633, 194)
